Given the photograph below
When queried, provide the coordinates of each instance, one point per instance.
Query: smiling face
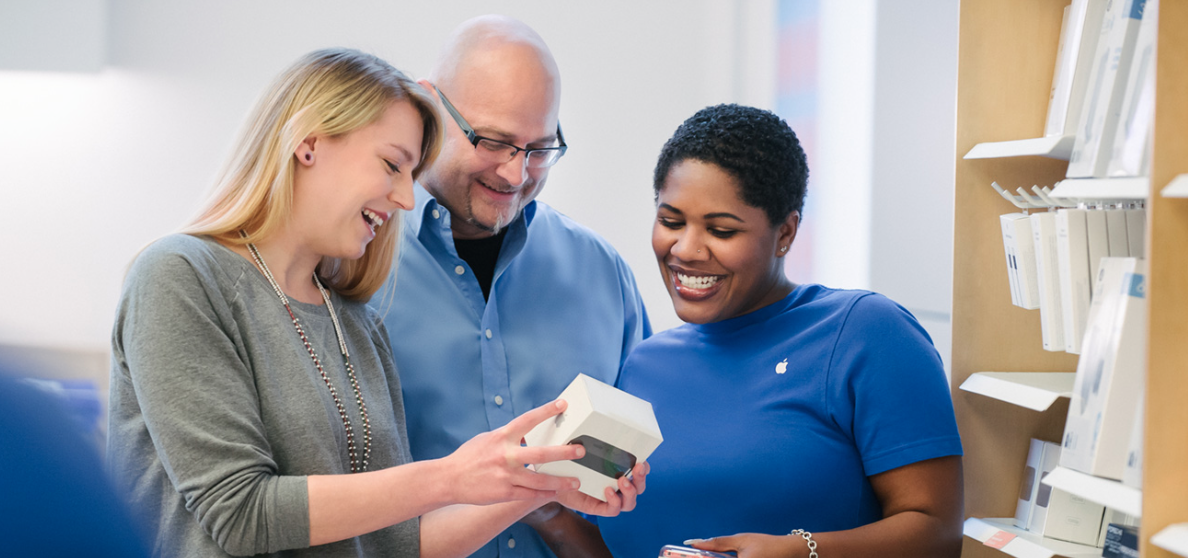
(506, 92)
(345, 187)
(720, 258)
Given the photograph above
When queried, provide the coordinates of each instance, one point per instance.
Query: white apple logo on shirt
(782, 367)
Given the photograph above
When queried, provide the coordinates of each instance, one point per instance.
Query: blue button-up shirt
(562, 302)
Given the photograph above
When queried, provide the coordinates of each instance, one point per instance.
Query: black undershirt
(481, 254)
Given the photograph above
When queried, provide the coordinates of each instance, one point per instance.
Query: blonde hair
(331, 92)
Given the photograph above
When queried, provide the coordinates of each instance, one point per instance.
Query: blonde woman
(255, 406)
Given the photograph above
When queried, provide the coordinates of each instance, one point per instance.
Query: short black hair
(754, 146)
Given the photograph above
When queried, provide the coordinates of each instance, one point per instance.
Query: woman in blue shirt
(797, 419)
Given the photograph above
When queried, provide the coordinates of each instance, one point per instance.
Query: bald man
(499, 300)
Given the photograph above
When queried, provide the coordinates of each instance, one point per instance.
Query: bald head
(492, 44)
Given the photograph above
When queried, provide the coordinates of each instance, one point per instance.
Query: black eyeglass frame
(475, 138)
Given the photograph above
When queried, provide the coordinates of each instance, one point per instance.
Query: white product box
(1047, 272)
(1049, 459)
(1061, 515)
(1107, 85)
(1072, 518)
(1132, 141)
(1019, 247)
(1024, 249)
(1116, 231)
(1132, 471)
(1117, 518)
(1097, 234)
(1030, 485)
(1109, 373)
(1008, 249)
(1074, 62)
(1136, 231)
(616, 428)
(1072, 249)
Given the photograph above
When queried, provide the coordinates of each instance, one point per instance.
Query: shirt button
(499, 401)
(436, 214)
(459, 270)
(511, 543)
(489, 334)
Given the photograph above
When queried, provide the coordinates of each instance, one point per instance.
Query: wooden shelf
(1054, 147)
(1006, 54)
(1177, 188)
(1173, 538)
(1031, 390)
(1001, 534)
(1107, 492)
(1103, 188)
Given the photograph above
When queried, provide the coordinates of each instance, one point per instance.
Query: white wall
(913, 161)
(841, 183)
(95, 165)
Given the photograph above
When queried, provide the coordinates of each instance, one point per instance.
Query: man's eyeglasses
(496, 151)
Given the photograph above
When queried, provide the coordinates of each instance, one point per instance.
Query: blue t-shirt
(562, 302)
(772, 421)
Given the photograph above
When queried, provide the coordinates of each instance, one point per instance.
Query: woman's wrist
(807, 537)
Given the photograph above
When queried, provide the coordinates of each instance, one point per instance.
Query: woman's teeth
(697, 282)
(372, 218)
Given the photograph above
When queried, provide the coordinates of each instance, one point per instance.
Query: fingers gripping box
(616, 428)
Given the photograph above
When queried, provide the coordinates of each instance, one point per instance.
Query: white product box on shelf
(1098, 237)
(1136, 231)
(1017, 234)
(1030, 485)
(1047, 271)
(616, 428)
(1109, 373)
(1132, 141)
(1049, 460)
(1062, 515)
(1117, 518)
(1072, 249)
(1132, 471)
(1117, 232)
(1008, 249)
(1074, 62)
(1106, 86)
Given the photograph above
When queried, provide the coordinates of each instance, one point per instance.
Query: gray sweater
(218, 413)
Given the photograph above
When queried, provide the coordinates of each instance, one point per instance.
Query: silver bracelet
(808, 538)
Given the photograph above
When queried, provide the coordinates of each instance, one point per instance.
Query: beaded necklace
(357, 465)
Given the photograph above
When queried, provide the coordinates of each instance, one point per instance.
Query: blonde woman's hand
(490, 467)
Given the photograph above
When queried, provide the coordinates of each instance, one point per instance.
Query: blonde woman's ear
(305, 151)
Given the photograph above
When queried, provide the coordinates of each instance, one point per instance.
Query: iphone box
(616, 428)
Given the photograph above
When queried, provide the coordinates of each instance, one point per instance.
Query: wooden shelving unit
(1007, 53)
